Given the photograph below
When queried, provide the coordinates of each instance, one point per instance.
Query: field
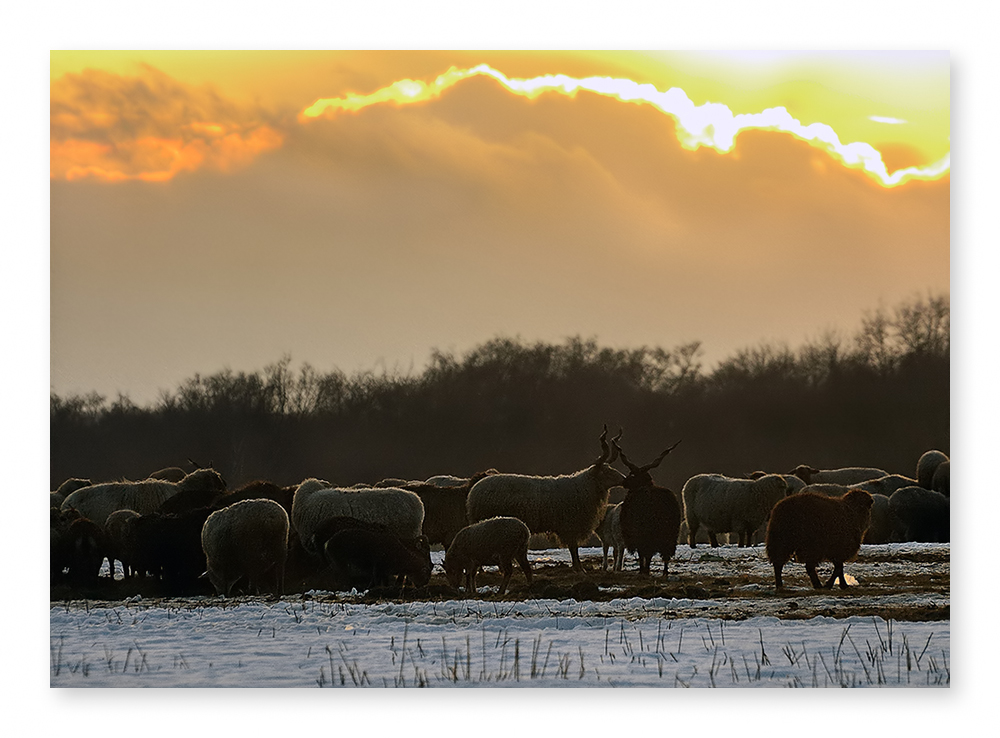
(715, 622)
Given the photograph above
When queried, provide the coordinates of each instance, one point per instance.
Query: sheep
(725, 504)
(248, 539)
(100, 500)
(445, 510)
(921, 515)
(845, 475)
(446, 480)
(120, 542)
(77, 545)
(169, 546)
(499, 540)
(941, 482)
(885, 485)
(650, 515)
(169, 474)
(880, 525)
(314, 500)
(927, 464)
(369, 556)
(609, 530)
(569, 505)
(816, 528)
(65, 489)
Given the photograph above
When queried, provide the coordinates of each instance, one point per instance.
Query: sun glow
(711, 125)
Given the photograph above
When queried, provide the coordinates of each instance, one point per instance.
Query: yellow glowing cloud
(113, 128)
(712, 124)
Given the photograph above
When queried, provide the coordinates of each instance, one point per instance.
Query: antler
(616, 449)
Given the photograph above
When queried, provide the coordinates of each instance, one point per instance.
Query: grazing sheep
(100, 500)
(724, 504)
(650, 515)
(169, 546)
(921, 515)
(885, 485)
(569, 505)
(372, 556)
(941, 481)
(927, 465)
(880, 526)
(399, 510)
(498, 540)
(845, 475)
(816, 528)
(77, 545)
(246, 540)
(609, 530)
(117, 533)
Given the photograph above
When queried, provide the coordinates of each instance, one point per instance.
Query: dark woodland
(877, 398)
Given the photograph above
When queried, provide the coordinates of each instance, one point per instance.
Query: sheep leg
(507, 567)
(813, 577)
(574, 554)
(712, 539)
(522, 561)
(692, 532)
(604, 560)
(777, 574)
(619, 559)
(838, 572)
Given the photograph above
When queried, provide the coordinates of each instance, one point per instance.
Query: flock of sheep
(180, 527)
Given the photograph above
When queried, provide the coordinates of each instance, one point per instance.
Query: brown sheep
(816, 528)
(499, 540)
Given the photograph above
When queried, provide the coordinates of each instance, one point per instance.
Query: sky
(358, 209)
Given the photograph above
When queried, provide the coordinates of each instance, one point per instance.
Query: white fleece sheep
(844, 475)
(610, 532)
(500, 541)
(569, 505)
(723, 504)
(248, 539)
(399, 510)
(927, 465)
(98, 501)
(885, 485)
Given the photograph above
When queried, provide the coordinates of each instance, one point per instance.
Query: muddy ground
(898, 581)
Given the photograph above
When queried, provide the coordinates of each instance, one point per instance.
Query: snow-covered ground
(332, 641)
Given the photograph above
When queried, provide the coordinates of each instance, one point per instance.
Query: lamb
(498, 540)
(609, 530)
(845, 475)
(248, 539)
(370, 556)
(100, 500)
(927, 465)
(725, 504)
(314, 500)
(569, 505)
(920, 514)
(816, 528)
(650, 515)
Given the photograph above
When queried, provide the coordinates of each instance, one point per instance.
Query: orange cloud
(148, 127)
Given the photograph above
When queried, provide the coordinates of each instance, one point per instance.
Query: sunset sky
(358, 209)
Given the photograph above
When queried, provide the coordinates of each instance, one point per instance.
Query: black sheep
(368, 555)
(650, 516)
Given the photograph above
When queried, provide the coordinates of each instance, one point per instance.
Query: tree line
(879, 397)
